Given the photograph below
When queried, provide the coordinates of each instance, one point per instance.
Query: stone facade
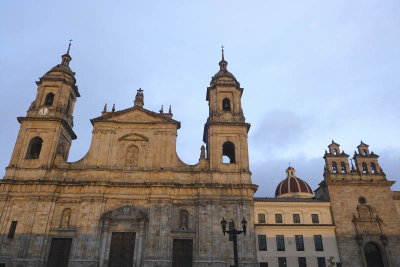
(364, 209)
(130, 181)
(130, 201)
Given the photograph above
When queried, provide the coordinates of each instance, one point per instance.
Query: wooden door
(121, 249)
(182, 254)
(59, 252)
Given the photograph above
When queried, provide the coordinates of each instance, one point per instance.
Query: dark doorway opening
(121, 249)
(182, 254)
(373, 255)
(59, 252)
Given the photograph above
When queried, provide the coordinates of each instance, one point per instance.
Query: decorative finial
(105, 107)
(170, 110)
(139, 98)
(202, 152)
(162, 109)
(113, 108)
(222, 52)
(69, 46)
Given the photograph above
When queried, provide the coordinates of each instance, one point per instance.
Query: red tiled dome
(293, 187)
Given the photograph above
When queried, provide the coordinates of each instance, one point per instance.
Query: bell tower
(225, 132)
(46, 130)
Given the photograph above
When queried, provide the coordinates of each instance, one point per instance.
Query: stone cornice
(64, 122)
(130, 185)
(359, 182)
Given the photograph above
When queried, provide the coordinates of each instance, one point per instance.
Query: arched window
(34, 148)
(334, 167)
(373, 255)
(335, 152)
(65, 218)
(132, 156)
(373, 167)
(226, 104)
(228, 150)
(49, 99)
(364, 151)
(364, 167)
(342, 167)
(183, 220)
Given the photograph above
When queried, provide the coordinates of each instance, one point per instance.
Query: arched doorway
(373, 256)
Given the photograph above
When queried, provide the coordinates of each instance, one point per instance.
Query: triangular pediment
(135, 115)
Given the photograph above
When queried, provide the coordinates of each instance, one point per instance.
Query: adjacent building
(293, 228)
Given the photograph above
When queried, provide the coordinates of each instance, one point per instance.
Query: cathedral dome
(293, 187)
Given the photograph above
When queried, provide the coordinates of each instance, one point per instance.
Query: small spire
(113, 108)
(223, 63)
(105, 107)
(69, 46)
(66, 58)
(162, 109)
(170, 110)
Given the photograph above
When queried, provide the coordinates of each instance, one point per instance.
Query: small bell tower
(225, 132)
(46, 130)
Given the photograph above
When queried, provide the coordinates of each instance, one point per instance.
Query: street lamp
(233, 235)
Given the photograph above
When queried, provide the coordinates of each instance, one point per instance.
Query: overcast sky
(312, 71)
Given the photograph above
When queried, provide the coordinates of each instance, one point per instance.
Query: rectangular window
(318, 243)
(278, 218)
(11, 232)
(262, 243)
(296, 218)
(321, 262)
(263, 264)
(280, 243)
(261, 218)
(314, 218)
(299, 242)
(302, 261)
(282, 262)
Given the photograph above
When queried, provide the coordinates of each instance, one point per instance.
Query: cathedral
(131, 201)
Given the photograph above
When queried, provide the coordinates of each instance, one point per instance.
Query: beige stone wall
(39, 220)
(345, 198)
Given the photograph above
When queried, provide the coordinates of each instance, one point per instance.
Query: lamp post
(233, 235)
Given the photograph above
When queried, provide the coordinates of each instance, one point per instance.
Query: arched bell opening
(228, 152)
(34, 148)
(226, 104)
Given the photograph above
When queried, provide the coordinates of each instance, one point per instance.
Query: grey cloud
(279, 128)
